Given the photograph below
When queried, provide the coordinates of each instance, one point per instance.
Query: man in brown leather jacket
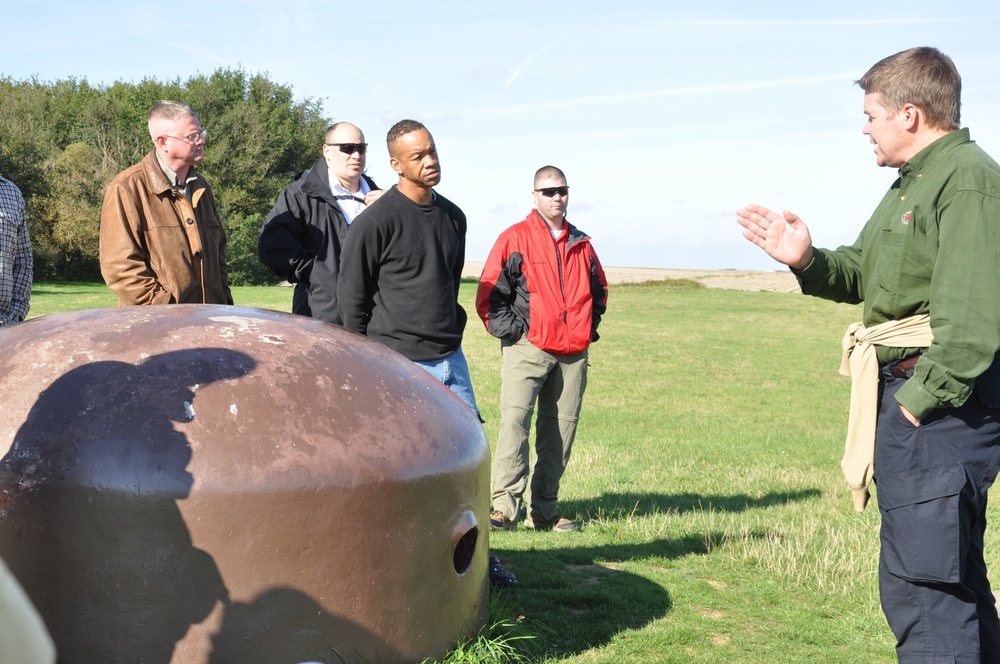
(161, 238)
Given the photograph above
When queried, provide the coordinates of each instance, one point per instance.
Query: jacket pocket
(925, 524)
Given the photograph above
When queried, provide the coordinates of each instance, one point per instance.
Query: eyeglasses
(350, 148)
(191, 138)
(549, 192)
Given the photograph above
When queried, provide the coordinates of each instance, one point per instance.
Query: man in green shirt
(927, 267)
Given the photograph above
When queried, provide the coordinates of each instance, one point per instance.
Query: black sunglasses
(350, 148)
(549, 192)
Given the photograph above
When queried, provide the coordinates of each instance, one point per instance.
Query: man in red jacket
(542, 293)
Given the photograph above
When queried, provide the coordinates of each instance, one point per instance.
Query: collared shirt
(174, 180)
(15, 255)
(932, 246)
(350, 203)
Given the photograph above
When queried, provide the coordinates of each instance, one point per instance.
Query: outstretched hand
(784, 237)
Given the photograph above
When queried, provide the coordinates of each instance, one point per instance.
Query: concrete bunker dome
(201, 483)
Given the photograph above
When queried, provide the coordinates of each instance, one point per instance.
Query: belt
(903, 367)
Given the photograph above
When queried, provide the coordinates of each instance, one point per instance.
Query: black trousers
(932, 487)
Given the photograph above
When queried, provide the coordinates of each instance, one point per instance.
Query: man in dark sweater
(401, 268)
(401, 265)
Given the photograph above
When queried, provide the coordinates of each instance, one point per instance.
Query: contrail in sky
(668, 92)
(517, 70)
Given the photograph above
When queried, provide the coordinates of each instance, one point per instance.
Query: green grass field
(717, 525)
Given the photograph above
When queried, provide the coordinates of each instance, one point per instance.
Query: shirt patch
(906, 217)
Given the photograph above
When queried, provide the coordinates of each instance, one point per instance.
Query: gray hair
(170, 110)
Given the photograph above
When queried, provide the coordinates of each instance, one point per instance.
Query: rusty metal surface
(199, 483)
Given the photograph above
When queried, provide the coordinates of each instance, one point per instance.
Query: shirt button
(189, 220)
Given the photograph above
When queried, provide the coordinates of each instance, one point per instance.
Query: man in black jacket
(303, 234)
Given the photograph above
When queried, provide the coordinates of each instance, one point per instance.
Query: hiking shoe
(556, 523)
(499, 521)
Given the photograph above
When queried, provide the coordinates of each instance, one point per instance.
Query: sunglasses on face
(549, 192)
(350, 148)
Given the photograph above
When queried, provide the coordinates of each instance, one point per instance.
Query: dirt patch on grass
(745, 280)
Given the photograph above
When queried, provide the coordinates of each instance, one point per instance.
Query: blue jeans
(453, 372)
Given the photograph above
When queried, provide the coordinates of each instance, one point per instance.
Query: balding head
(336, 131)
(345, 152)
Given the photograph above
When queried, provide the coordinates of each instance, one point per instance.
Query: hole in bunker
(465, 549)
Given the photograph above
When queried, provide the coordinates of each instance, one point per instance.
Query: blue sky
(666, 116)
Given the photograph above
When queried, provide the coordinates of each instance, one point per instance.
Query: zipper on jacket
(559, 264)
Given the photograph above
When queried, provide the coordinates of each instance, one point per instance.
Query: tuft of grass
(506, 639)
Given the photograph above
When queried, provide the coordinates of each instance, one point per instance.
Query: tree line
(62, 142)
